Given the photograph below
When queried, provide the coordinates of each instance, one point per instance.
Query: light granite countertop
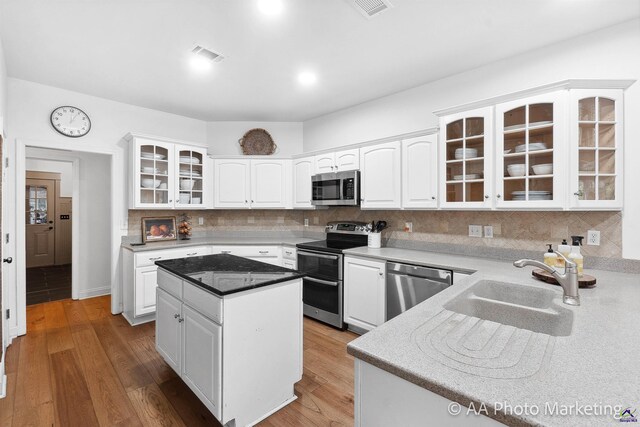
(597, 364)
(222, 240)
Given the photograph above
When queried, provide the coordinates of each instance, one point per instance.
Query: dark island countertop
(225, 274)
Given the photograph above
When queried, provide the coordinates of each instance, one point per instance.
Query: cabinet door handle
(288, 252)
(155, 258)
(331, 167)
(433, 197)
(246, 201)
(170, 200)
(175, 316)
(252, 201)
(486, 196)
(180, 320)
(192, 254)
(579, 193)
(380, 273)
(499, 196)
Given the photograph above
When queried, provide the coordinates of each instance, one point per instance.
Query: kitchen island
(231, 328)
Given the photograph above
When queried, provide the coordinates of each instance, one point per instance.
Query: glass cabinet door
(528, 146)
(155, 174)
(465, 152)
(190, 176)
(597, 160)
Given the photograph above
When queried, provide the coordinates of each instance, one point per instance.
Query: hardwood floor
(79, 365)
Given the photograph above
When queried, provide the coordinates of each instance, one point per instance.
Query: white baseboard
(95, 292)
(3, 377)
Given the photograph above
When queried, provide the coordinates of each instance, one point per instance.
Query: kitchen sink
(520, 306)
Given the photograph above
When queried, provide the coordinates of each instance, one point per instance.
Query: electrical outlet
(200, 220)
(593, 238)
(408, 227)
(306, 222)
(488, 231)
(475, 231)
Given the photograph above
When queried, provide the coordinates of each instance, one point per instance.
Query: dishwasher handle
(420, 272)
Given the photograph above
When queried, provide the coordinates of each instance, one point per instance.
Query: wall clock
(70, 121)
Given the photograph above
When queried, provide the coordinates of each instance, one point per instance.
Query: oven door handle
(317, 255)
(322, 282)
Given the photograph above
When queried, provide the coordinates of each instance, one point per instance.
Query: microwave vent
(371, 8)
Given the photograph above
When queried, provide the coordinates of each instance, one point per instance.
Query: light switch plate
(488, 231)
(593, 238)
(200, 220)
(475, 231)
(306, 222)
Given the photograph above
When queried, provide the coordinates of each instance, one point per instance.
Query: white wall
(610, 53)
(223, 137)
(93, 217)
(65, 169)
(3, 86)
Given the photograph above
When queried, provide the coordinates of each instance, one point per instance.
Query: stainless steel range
(322, 261)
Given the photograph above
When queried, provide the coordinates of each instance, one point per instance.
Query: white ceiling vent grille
(206, 53)
(371, 8)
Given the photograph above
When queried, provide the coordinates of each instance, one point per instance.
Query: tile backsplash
(512, 230)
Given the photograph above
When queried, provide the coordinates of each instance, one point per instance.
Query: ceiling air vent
(206, 53)
(371, 8)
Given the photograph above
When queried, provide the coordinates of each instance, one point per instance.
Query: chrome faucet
(568, 280)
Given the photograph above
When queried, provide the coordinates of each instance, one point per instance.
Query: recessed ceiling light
(270, 7)
(307, 78)
(200, 63)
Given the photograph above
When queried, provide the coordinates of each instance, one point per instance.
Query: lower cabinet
(145, 290)
(169, 328)
(250, 374)
(364, 293)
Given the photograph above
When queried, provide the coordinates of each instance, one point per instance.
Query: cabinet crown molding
(130, 136)
(537, 90)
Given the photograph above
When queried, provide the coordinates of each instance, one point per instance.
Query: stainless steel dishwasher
(409, 285)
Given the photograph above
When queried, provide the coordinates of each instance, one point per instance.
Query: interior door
(39, 216)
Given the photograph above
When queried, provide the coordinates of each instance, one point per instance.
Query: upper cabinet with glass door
(529, 151)
(465, 157)
(167, 175)
(596, 149)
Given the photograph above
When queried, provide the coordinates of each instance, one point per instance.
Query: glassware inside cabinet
(154, 174)
(190, 177)
(528, 153)
(596, 149)
(465, 151)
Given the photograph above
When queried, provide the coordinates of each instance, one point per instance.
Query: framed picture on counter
(159, 229)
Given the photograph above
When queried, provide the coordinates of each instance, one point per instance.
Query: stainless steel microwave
(336, 189)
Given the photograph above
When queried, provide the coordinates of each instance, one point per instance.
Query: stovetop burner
(341, 235)
(331, 246)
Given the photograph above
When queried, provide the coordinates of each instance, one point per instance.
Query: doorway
(48, 235)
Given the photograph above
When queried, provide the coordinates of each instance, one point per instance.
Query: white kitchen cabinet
(266, 254)
(382, 399)
(222, 342)
(270, 184)
(168, 328)
(145, 289)
(596, 157)
(381, 176)
(232, 183)
(303, 170)
(252, 184)
(168, 175)
(364, 292)
(140, 280)
(202, 356)
(339, 161)
(531, 147)
(420, 172)
(289, 257)
(466, 159)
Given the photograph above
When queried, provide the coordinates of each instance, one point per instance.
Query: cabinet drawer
(203, 301)
(149, 258)
(289, 253)
(170, 283)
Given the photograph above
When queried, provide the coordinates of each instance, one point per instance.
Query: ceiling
(137, 51)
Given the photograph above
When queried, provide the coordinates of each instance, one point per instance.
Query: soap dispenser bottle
(550, 257)
(575, 255)
(564, 249)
